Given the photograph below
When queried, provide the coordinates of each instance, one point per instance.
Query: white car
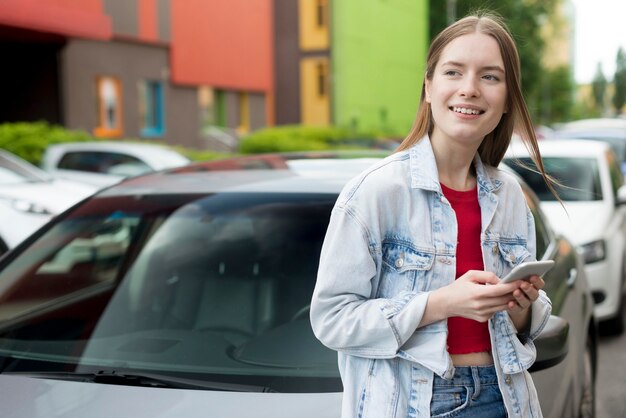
(104, 163)
(593, 214)
(30, 197)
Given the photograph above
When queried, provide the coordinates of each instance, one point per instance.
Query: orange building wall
(224, 44)
(75, 18)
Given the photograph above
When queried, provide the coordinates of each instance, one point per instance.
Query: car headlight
(594, 251)
(29, 207)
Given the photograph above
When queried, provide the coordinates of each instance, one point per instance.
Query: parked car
(186, 292)
(611, 131)
(30, 197)
(104, 163)
(593, 214)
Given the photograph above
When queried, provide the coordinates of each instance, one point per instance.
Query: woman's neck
(455, 166)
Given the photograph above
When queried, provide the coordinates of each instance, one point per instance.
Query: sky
(600, 30)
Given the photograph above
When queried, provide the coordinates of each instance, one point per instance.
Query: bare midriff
(482, 358)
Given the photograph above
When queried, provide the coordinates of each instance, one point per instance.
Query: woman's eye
(451, 73)
(491, 77)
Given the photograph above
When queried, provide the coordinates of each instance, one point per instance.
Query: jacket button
(399, 262)
(508, 380)
(495, 248)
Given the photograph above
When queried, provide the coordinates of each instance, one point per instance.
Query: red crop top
(466, 335)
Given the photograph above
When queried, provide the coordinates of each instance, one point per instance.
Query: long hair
(494, 145)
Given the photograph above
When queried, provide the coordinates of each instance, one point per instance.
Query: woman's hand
(469, 297)
(526, 293)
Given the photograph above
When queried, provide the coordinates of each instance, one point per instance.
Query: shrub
(304, 138)
(29, 140)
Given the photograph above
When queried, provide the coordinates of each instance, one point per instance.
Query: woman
(408, 286)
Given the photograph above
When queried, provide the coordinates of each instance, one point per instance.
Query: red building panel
(72, 18)
(226, 44)
(148, 18)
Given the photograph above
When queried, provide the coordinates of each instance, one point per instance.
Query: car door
(559, 387)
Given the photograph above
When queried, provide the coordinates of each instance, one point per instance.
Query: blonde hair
(495, 144)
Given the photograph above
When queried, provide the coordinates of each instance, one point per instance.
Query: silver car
(186, 294)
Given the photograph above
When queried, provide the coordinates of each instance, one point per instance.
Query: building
(199, 73)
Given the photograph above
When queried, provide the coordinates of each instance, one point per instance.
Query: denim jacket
(390, 242)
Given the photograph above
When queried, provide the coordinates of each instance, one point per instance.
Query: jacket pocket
(404, 269)
(510, 255)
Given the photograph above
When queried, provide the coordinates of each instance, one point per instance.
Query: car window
(578, 178)
(212, 285)
(74, 257)
(100, 162)
(542, 232)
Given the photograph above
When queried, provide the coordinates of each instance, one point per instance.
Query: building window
(109, 93)
(244, 114)
(322, 83)
(313, 22)
(321, 13)
(151, 112)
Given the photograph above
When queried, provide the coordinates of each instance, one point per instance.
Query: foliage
(304, 138)
(598, 86)
(29, 140)
(202, 155)
(524, 19)
(558, 101)
(619, 82)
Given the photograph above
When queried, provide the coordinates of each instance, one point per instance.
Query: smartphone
(526, 269)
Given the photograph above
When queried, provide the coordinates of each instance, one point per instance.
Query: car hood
(43, 398)
(582, 223)
(55, 195)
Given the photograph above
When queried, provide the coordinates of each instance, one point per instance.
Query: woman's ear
(426, 89)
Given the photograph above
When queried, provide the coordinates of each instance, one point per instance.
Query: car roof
(596, 123)
(266, 173)
(133, 148)
(565, 147)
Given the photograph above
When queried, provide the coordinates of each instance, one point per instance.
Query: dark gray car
(186, 293)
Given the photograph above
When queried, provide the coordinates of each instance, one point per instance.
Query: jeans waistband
(469, 376)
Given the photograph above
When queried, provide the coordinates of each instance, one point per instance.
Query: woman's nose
(470, 88)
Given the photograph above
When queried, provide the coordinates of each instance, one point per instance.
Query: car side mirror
(551, 344)
(621, 195)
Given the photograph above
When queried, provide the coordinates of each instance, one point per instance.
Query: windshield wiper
(143, 380)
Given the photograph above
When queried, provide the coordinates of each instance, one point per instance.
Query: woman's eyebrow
(485, 68)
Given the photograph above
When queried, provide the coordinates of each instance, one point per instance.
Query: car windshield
(578, 178)
(213, 286)
(617, 142)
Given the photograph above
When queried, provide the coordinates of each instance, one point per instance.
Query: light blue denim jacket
(391, 240)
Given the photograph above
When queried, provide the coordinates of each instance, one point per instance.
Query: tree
(619, 82)
(598, 87)
(560, 103)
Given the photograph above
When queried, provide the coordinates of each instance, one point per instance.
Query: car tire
(3, 247)
(587, 408)
(615, 325)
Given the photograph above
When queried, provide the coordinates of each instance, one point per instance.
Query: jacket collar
(424, 174)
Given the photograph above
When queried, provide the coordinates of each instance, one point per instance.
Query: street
(611, 399)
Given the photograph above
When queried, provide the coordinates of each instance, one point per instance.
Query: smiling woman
(413, 241)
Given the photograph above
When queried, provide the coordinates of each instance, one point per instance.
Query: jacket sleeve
(344, 314)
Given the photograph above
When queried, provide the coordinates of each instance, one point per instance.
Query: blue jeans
(472, 392)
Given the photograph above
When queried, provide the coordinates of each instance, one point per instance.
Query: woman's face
(468, 91)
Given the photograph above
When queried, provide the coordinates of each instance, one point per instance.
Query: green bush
(29, 140)
(304, 138)
(202, 155)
